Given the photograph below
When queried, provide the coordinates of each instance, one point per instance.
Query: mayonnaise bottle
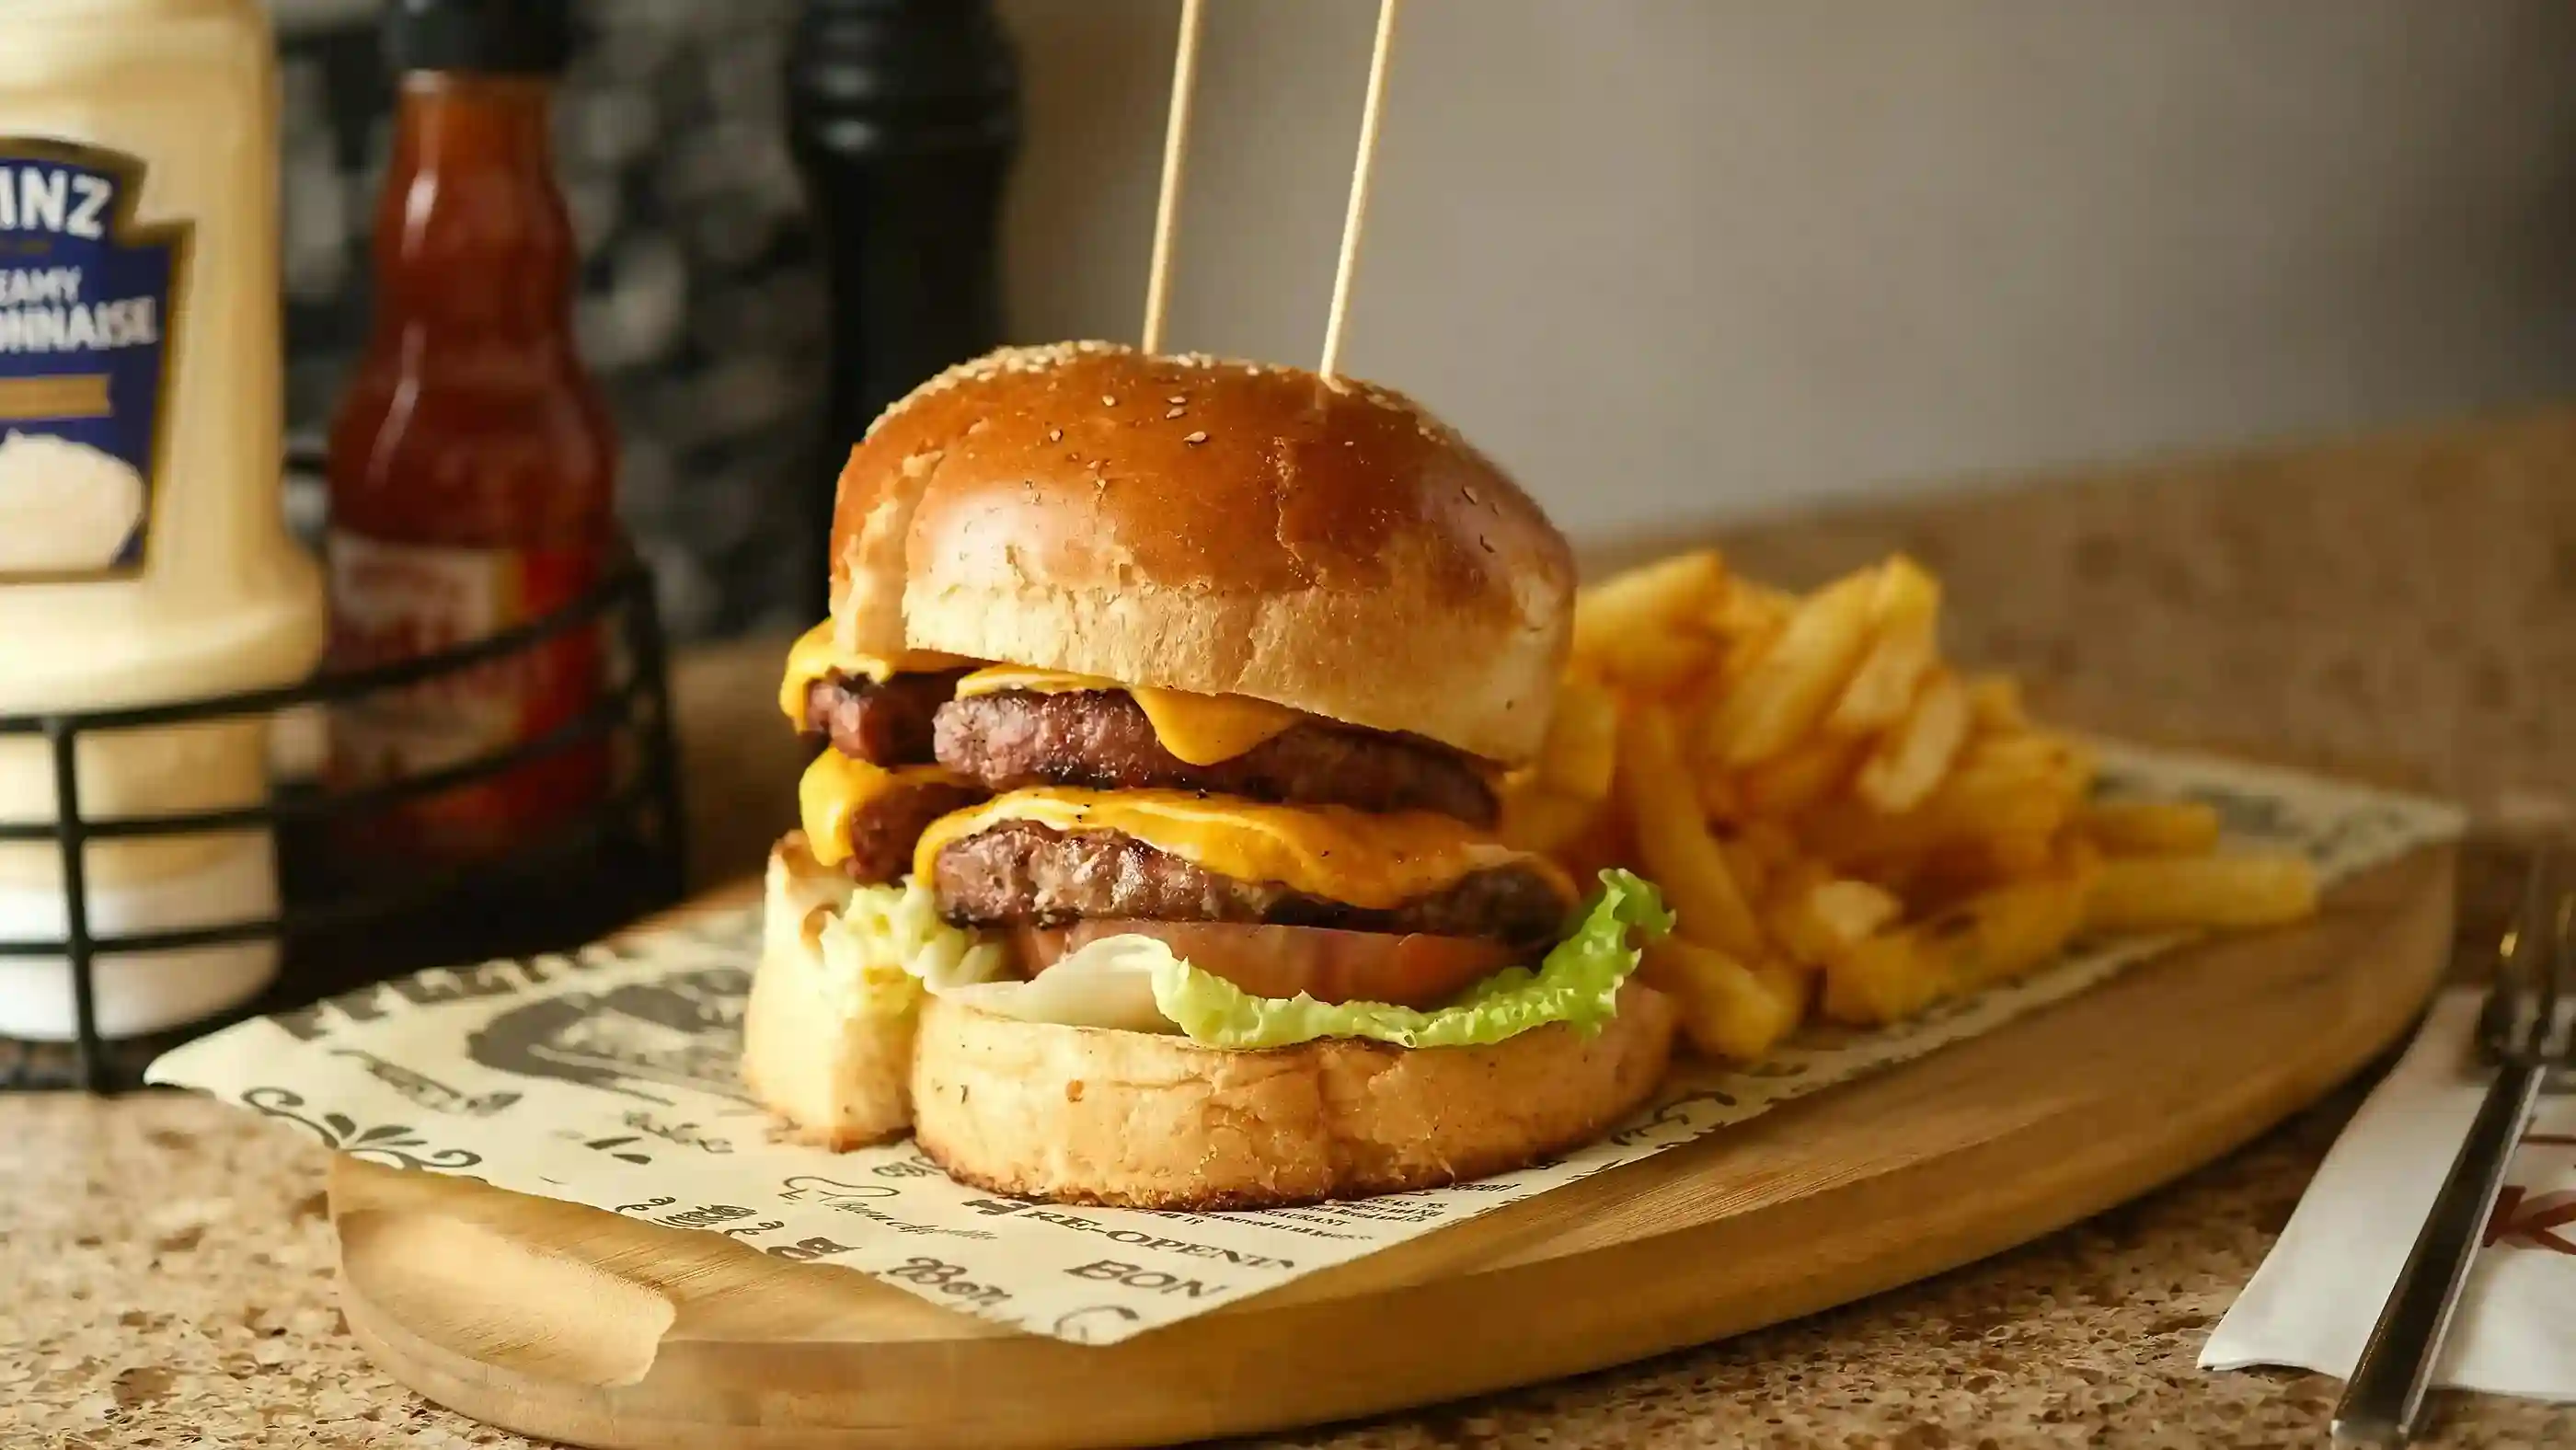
(143, 553)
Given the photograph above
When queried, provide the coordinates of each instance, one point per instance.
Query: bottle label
(88, 304)
(398, 601)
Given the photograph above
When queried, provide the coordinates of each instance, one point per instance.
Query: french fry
(1744, 610)
(1772, 842)
(1904, 620)
(2150, 828)
(1743, 650)
(1729, 1008)
(1695, 707)
(1748, 621)
(1581, 751)
(2165, 893)
(2017, 853)
(1883, 979)
(1544, 821)
(1850, 910)
(1841, 822)
(1607, 842)
(1721, 797)
(1654, 664)
(1997, 701)
(1856, 840)
(1794, 682)
(1650, 601)
(1817, 920)
(1673, 842)
(1911, 760)
(2025, 754)
(1751, 872)
(1965, 867)
(2018, 927)
(1799, 777)
(2023, 794)
(2027, 785)
(1989, 938)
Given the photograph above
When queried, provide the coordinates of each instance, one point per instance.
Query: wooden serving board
(575, 1324)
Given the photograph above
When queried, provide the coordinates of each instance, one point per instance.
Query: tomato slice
(1408, 970)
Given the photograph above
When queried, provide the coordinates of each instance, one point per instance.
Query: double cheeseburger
(1151, 859)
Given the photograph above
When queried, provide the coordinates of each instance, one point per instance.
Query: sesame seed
(1468, 494)
(1177, 398)
(1195, 439)
(1175, 412)
(1107, 401)
(1055, 435)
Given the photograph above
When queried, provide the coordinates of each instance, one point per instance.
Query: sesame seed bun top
(1207, 525)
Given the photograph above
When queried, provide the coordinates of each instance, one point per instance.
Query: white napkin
(2320, 1289)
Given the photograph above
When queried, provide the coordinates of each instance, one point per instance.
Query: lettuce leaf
(1577, 983)
(1137, 984)
(887, 945)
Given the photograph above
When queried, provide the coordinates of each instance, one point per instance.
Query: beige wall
(1704, 256)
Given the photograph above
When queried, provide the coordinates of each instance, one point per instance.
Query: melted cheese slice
(815, 655)
(836, 787)
(1200, 729)
(1369, 861)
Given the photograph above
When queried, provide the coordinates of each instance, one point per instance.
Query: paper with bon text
(608, 1078)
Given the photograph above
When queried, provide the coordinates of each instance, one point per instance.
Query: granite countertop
(2406, 601)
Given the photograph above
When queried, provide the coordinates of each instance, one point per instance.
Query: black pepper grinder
(903, 116)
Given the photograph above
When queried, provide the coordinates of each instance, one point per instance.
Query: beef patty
(1023, 874)
(883, 724)
(884, 831)
(1101, 739)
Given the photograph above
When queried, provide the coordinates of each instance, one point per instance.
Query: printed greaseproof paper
(609, 1077)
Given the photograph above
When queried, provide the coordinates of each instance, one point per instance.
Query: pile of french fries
(1842, 822)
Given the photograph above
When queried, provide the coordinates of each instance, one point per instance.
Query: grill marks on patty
(1101, 739)
(1024, 874)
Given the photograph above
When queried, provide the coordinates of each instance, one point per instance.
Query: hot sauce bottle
(471, 463)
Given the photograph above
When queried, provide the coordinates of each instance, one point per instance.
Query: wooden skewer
(1360, 168)
(1167, 205)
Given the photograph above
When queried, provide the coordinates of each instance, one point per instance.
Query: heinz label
(400, 601)
(87, 308)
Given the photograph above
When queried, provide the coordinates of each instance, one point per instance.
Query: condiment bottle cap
(488, 37)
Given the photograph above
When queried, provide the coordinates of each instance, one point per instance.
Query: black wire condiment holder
(587, 873)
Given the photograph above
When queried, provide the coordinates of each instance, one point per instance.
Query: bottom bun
(841, 1078)
(1091, 1115)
